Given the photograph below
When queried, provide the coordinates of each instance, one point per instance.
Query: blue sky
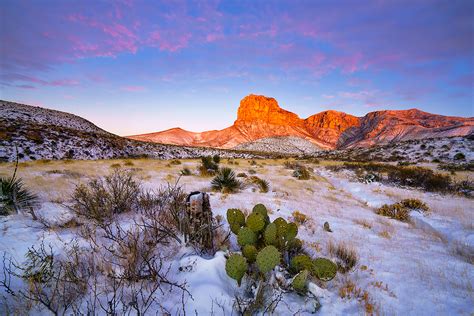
(141, 66)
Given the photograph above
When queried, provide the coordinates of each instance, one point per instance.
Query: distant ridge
(261, 117)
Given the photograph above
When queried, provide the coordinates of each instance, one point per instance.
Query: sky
(133, 66)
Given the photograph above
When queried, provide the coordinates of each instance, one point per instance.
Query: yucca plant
(225, 181)
(14, 196)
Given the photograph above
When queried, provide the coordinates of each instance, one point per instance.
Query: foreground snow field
(419, 268)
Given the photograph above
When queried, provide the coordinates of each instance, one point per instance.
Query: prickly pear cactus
(246, 236)
(250, 252)
(267, 259)
(295, 244)
(282, 226)
(236, 219)
(270, 234)
(324, 269)
(299, 282)
(260, 209)
(300, 262)
(236, 266)
(291, 231)
(255, 222)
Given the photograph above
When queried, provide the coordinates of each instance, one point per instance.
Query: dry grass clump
(299, 217)
(302, 173)
(347, 257)
(208, 167)
(364, 223)
(350, 291)
(185, 171)
(175, 162)
(396, 211)
(128, 163)
(262, 185)
(401, 210)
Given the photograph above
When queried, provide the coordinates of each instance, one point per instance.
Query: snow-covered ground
(417, 268)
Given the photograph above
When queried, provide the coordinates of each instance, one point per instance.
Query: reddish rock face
(261, 117)
(257, 109)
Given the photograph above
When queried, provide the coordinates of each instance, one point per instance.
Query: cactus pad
(300, 262)
(260, 209)
(267, 259)
(299, 282)
(295, 244)
(246, 237)
(236, 266)
(236, 219)
(282, 226)
(324, 269)
(255, 222)
(250, 252)
(291, 231)
(270, 234)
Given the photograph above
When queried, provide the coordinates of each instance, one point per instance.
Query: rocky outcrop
(261, 117)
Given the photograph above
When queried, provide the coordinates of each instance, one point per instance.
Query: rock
(260, 117)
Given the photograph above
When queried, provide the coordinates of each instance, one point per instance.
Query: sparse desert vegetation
(135, 207)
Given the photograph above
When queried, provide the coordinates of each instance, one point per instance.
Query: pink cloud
(134, 88)
(52, 83)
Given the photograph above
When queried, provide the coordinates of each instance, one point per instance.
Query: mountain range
(260, 117)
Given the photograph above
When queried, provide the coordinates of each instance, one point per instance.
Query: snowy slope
(406, 268)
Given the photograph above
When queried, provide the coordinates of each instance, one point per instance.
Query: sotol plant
(225, 181)
(265, 245)
(14, 196)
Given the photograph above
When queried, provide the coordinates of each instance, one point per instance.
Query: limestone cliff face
(258, 109)
(261, 117)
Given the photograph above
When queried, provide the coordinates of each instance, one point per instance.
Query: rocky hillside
(39, 133)
(261, 117)
(290, 145)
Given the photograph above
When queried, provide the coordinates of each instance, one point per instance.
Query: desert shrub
(417, 177)
(216, 159)
(465, 187)
(185, 171)
(291, 165)
(415, 204)
(262, 184)
(252, 171)
(253, 163)
(420, 177)
(457, 166)
(299, 217)
(302, 173)
(175, 162)
(56, 284)
(15, 196)
(265, 245)
(208, 167)
(396, 211)
(401, 210)
(115, 165)
(347, 257)
(459, 156)
(225, 181)
(101, 198)
(128, 163)
(241, 175)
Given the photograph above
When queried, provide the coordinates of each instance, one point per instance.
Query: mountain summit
(261, 117)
